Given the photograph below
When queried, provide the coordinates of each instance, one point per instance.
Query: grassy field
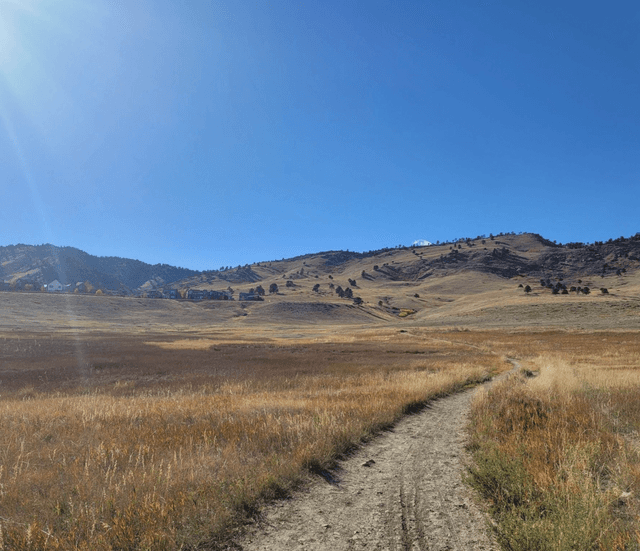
(557, 447)
(142, 424)
(167, 443)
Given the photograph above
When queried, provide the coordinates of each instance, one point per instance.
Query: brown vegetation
(167, 448)
(558, 454)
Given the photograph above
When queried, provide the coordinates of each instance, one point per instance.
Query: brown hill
(471, 282)
(455, 283)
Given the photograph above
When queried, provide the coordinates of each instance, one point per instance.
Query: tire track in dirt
(404, 491)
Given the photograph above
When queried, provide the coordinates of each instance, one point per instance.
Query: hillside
(469, 284)
(41, 264)
(475, 281)
(386, 276)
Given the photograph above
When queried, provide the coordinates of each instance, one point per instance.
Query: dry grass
(139, 462)
(557, 454)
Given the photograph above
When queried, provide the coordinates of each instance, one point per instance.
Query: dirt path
(402, 492)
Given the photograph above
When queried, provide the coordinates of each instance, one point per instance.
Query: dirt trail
(402, 492)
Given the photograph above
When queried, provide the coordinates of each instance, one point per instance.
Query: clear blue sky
(210, 133)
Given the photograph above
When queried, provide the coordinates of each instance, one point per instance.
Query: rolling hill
(41, 264)
(467, 265)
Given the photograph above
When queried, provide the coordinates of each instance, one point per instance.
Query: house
(250, 296)
(54, 287)
(171, 293)
(219, 295)
(196, 294)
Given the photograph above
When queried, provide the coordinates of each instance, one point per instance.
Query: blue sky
(210, 133)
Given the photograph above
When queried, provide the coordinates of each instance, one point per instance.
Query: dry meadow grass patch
(555, 453)
(110, 443)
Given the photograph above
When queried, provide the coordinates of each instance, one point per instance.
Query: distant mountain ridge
(42, 264)
(505, 255)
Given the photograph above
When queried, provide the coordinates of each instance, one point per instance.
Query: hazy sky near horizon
(212, 133)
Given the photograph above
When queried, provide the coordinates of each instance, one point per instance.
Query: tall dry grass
(177, 468)
(557, 454)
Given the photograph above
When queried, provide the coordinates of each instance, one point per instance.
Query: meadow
(133, 424)
(557, 446)
(165, 442)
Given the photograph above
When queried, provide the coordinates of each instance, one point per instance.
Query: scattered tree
(273, 288)
(527, 289)
(348, 293)
(357, 301)
(260, 290)
(290, 284)
(604, 290)
(316, 287)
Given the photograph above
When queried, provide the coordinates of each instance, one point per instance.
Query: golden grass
(172, 466)
(557, 454)
(185, 344)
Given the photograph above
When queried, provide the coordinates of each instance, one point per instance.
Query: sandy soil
(403, 491)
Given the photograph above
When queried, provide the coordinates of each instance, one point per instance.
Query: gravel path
(403, 491)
